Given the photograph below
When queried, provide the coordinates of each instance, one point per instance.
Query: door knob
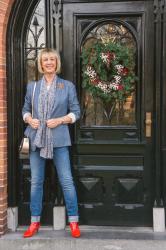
(148, 123)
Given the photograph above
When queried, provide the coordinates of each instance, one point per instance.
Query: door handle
(148, 123)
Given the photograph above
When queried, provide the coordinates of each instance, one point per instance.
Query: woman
(55, 105)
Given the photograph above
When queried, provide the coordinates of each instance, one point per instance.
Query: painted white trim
(12, 218)
(158, 219)
(59, 218)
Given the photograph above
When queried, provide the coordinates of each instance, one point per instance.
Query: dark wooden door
(113, 153)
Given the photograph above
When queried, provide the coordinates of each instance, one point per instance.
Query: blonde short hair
(46, 51)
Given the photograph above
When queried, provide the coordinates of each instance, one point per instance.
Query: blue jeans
(62, 163)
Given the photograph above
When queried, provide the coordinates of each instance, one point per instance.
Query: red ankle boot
(32, 229)
(75, 231)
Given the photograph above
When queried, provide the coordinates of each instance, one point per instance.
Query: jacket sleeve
(74, 106)
(27, 108)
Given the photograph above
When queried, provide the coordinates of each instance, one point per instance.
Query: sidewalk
(93, 238)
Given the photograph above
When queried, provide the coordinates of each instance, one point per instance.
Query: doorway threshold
(91, 232)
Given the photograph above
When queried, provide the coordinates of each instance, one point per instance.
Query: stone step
(92, 238)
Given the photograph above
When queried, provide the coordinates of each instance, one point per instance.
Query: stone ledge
(93, 238)
(90, 232)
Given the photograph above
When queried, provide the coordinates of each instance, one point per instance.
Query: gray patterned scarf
(44, 139)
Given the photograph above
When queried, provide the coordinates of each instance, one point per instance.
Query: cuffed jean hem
(73, 219)
(35, 218)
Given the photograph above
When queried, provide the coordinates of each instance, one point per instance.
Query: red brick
(5, 8)
(3, 219)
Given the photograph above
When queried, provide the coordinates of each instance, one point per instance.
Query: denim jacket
(65, 101)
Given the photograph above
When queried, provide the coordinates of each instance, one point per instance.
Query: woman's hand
(34, 123)
(53, 123)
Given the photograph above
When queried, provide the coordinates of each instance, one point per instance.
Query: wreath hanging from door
(108, 70)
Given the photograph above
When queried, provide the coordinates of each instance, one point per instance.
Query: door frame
(72, 76)
(17, 25)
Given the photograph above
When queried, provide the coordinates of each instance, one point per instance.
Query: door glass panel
(109, 54)
(35, 41)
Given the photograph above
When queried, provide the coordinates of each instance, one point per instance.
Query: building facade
(5, 9)
(118, 152)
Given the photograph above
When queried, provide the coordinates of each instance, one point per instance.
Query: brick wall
(5, 8)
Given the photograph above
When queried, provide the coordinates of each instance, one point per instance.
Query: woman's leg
(37, 165)
(62, 163)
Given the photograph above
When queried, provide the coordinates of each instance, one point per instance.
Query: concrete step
(92, 238)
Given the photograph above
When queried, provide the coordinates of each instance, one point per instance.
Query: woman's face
(49, 63)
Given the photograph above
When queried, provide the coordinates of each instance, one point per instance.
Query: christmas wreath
(108, 70)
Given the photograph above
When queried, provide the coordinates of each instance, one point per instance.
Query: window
(105, 68)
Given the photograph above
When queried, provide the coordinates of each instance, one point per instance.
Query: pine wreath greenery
(108, 71)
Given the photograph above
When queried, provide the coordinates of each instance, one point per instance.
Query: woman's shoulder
(66, 83)
(31, 84)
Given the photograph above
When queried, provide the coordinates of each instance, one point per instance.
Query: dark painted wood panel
(114, 166)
